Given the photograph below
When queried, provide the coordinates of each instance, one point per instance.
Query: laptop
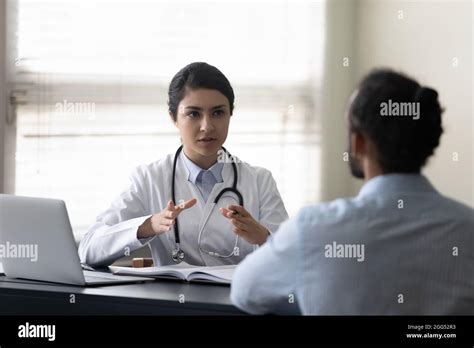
(37, 243)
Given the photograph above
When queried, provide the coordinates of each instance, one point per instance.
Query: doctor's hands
(162, 222)
(245, 225)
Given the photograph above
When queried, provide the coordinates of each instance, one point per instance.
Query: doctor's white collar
(194, 169)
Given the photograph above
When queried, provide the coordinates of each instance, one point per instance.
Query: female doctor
(200, 205)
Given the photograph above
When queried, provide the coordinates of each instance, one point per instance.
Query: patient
(398, 247)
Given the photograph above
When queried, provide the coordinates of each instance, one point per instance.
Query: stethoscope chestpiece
(177, 255)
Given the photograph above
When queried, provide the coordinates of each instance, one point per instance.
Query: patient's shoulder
(332, 212)
(457, 209)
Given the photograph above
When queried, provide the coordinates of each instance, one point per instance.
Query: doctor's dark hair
(403, 143)
(194, 76)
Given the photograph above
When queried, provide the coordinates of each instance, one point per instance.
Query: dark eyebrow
(193, 107)
(200, 109)
(218, 107)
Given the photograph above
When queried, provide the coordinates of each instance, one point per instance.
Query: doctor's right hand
(162, 222)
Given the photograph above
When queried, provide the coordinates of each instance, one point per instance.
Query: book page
(183, 271)
(180, 271)
(218, 274)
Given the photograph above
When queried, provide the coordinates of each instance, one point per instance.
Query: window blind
(94, 78)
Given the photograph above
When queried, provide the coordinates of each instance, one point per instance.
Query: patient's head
(394, 124)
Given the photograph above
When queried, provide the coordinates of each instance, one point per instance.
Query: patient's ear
(358, 145)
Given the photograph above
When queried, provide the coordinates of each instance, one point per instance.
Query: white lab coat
(114, 234)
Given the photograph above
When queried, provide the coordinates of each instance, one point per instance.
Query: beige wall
(423, 45)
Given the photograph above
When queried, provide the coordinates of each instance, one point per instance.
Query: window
(91, 78)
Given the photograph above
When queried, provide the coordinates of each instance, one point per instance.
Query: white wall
(7, 131)
(423, 45)
(3, 106)
(338, 82)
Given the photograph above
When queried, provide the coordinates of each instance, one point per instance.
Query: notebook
(181, 271)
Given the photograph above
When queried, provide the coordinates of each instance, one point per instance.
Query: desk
(161, 297)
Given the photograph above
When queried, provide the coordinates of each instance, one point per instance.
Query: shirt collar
(396, 183)
(194, 169)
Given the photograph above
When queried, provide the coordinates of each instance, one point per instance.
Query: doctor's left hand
(245, 225)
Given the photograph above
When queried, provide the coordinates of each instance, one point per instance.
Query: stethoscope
(177, 254)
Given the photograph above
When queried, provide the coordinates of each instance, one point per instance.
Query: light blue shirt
(202, 178)
(399, 247)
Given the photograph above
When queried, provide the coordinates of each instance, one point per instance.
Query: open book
(181, 271)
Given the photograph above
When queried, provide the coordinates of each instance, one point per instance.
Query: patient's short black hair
(194, 76)
(403, 143)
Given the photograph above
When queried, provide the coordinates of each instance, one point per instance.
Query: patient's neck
(371, 168)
